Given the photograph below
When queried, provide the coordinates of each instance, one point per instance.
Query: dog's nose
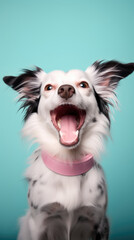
(66, 91)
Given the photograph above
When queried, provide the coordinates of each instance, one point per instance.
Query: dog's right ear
(28, 86)
(24, 83)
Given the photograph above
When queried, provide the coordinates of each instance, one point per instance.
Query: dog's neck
(68, 168)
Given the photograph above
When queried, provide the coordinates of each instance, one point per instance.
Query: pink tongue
(68, 130)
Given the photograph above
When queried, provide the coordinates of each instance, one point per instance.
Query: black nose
(66, 91)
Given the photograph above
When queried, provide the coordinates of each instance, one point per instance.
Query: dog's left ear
(112, 72)
(105, 76)
(28, 86)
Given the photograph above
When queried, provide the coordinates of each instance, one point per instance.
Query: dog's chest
(47, 187)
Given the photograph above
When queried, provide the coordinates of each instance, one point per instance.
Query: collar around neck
(74, 168)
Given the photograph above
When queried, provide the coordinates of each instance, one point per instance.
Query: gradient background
(64, 35)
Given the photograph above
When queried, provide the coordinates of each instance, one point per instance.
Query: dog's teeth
(61, 134)
(59, 125)
(77, 132)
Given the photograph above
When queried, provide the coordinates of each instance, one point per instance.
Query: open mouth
(68, 120)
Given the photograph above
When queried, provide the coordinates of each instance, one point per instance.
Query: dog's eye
(48, 87)
(83, 84)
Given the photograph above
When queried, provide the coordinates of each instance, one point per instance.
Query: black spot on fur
(94, 120)
(102, 105)
(34, 206)
(36, 158)
(34, 182)
(29, 194)
(28, 179)
(100, 187)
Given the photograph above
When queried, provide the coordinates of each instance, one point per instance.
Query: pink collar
(68, 168)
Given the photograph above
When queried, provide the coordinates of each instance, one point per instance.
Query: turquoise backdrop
(60, 34)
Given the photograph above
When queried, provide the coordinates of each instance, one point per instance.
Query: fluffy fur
(62, 207)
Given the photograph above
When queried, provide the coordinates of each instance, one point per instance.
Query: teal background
(65, 35)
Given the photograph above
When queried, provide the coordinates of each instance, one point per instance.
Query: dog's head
(70, 104)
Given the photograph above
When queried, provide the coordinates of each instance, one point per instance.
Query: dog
(67, 114)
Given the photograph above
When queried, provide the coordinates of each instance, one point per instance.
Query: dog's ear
(106, 76)
(28, 86)
(112, 72)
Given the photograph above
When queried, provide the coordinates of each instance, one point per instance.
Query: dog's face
(69, 103)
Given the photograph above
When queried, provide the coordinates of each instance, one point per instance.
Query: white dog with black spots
(67, 114)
